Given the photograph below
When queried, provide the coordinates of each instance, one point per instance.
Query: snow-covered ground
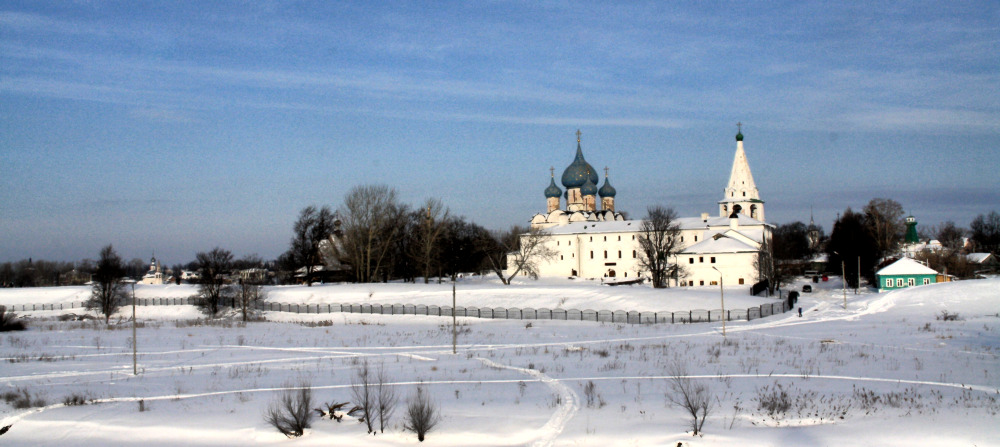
(885, 371)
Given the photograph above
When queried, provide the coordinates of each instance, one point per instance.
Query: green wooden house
(904, 273)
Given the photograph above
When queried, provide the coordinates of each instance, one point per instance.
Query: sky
(170, 128)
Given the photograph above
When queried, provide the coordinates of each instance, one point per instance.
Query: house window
(633, 254)
(591, 254)
(633, 237)
(626, 274)
(569, 243)
(690, 260)
(713, 259)
(741, 280)
(899, 282)
(592, 239)
(927, 281)
(557, 243)
(560, 257)
(619, 254)
(888, 282)
(911, 282)
(713, 283)
(701, 259)
(619, 238)
(701, 283)
(696, 238)
(605, 254)
(605, 238)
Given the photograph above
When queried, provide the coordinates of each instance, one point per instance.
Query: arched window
(605, 254)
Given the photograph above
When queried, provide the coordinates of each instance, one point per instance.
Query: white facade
(610, 249)
(602, 244)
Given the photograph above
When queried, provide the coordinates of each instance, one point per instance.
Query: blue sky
(174, 127)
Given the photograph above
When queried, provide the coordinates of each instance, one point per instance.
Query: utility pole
(135, 348)
(859, 276)
(722, 300)
(454, 331)
(843, 274)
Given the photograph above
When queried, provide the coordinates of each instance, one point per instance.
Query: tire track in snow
(567, 409)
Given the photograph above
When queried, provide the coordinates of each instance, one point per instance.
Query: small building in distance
(905, 273)
(155, 273)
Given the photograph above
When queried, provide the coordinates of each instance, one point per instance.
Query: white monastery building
(599, 243)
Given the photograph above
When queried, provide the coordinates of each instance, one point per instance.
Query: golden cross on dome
(739, 127)
(578, 135)
(605, 172)
(552, 171)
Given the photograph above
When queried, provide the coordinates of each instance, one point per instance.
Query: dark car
(807, 288)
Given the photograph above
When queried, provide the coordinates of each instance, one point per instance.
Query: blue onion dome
(579, 171)
(607, 190)
(588, 188)
(553, 190)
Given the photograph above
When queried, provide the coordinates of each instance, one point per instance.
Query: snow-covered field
(886, 371)
(473, 291)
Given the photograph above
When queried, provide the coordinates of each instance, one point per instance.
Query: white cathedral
(599, 243)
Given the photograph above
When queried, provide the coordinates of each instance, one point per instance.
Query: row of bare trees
(374, 237)
(216, 289)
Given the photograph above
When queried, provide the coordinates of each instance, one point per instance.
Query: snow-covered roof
(720, 243)
(906, 266)
(978, 258)
(685, 223)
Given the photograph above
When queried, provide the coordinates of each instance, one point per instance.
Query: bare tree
(290, 413)
(249, 295)
(385, 398)
(517, 251)
(985, 232)
(766, 268)
(884, 220)
(109, 291)
(432, 226)
(213, 287)
(950, 235)
(312, 227)
(422, 414)
(365, 395)
(691, 395)
(659, 241)
(371, 217)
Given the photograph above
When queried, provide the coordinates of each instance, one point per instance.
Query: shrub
(290, 413)
(945, 316)
(422, 414)
(21, 398)
(691, 395)
(774, 401)
(10, 322)
(75, 399)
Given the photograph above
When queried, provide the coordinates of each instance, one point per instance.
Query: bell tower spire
(741, 195)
